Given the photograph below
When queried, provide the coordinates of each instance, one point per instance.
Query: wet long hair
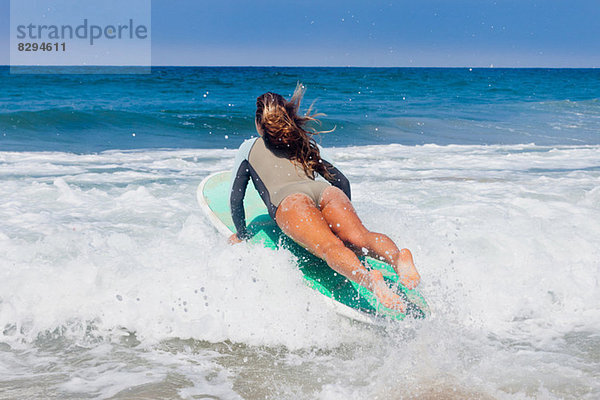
(286, 131)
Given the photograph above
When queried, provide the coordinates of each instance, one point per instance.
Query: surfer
(282, 163)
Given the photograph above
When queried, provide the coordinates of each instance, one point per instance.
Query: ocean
(113, 284)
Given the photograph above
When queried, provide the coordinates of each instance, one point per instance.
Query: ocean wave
(112, 281)
(65, 119)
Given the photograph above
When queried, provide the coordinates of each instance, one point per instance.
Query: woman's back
(276, 170)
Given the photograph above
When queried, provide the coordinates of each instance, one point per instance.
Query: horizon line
(297, 66)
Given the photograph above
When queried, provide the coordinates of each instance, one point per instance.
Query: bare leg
(341, 217)
(301, 220)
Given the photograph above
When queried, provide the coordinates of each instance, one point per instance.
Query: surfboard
(346, 297)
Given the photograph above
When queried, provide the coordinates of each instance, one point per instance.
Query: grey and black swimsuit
(275, 177)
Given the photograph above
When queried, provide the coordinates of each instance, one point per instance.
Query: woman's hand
(233, 239)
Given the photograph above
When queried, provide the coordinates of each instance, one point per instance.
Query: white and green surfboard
(345, 296)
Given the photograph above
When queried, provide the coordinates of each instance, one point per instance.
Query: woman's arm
(236, 199)
(239, 181)
(338, 180)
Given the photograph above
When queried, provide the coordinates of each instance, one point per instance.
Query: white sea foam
(98, 249)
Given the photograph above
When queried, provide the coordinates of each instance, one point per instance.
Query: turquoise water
(213, 107)
(113, 284)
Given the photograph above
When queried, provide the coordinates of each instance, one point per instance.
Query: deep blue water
(213, 107)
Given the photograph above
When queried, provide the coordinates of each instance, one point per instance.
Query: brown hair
(285, 130)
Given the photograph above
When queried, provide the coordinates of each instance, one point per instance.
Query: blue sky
(503, 33)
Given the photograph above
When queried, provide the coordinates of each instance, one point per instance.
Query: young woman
(282, 163)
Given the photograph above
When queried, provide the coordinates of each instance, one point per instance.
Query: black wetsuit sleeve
(236, 199)
(338, 179)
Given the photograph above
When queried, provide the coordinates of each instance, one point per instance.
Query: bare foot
(384, 294)
(405, 268)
